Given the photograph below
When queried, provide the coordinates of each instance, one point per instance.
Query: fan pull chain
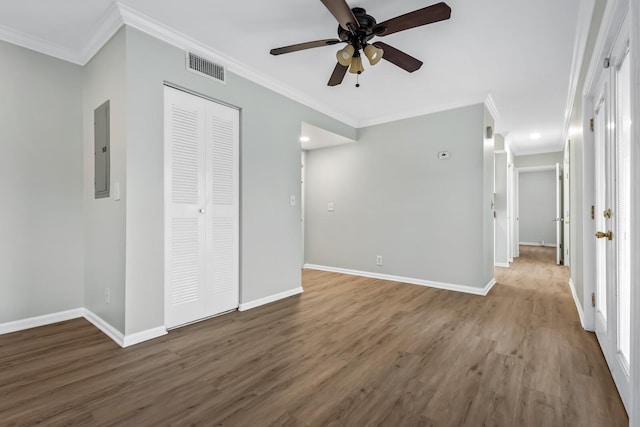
(358, 78)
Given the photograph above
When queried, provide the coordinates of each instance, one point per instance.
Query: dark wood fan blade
(338, 75)
(342, 12)
(303, 46)
(399, 58)
(417, 18)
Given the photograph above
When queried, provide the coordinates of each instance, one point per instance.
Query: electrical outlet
(107, 295)
(379, 260)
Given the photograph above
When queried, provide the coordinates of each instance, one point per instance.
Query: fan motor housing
(359, 37)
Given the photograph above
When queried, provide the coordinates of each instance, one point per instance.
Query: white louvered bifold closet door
(201, 208)
(222, 134)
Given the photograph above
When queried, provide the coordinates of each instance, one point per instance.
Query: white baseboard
(271, 298)
(34, 322)
(502, 264)
(105, 327)
(429, 283)
(97, 321)
(488, 287)
(577, 303)
(143, 336)
(121, 339)
(546, 245)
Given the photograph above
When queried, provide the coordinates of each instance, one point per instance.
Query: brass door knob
(608, 235)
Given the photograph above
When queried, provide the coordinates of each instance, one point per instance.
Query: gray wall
(104, 79)
(501, 241)
(270, 172)
(538, 207)
(546, 159)
(41, 243)
(394, 198)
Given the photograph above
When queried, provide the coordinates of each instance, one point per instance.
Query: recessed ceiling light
(304, 139)
(534, 136)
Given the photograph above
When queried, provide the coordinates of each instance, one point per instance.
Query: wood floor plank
(497, 399)
(538, 409)
(350, 351)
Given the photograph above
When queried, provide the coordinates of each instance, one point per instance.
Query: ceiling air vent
(200, 65)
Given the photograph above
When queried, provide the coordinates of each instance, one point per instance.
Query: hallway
(565, 378)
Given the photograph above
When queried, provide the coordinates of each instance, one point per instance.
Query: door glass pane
(623, 193)
(601, 254)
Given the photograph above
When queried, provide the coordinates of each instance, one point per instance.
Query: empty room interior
(332, 213)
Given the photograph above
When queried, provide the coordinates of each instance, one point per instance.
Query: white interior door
(612, 143)
(184, 219)
(558, 218)
(222, 136)
(621, 212)
(201, 208)
(605, 290)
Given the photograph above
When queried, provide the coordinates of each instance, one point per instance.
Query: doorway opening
(312, 138)
(539, 209)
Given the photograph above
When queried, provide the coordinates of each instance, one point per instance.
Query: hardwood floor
(349, 351)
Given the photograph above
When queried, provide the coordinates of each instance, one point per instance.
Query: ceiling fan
(357, 28)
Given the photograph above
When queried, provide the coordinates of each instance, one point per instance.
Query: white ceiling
(518, 51)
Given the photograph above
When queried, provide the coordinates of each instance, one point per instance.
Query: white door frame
(612, 20)
(613, 17)
(516, 191)
(559, 220)
(217, 289)
(634, 16)
(511, 201)
(516, 213)
(303, 199)
(566, 207)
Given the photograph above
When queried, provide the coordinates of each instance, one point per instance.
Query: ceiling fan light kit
(345, 55)
(374, 54)
(357, 28)
(356, 65)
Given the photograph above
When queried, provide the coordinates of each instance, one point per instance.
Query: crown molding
(614, 13)
(105, 29)
(167, 34)
(119, 14)
(409, 114)
(585, 14)
(488, 102)
(491, 106)
(39, 45)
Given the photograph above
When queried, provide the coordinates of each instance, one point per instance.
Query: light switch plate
(292, 200)
(331, 207)
(116, 191)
